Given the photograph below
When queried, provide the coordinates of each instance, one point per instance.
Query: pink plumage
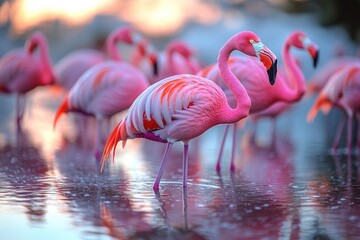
(177, 58)
(182, 107)
(342, 90)
(104, 90)
(23, 70)
(72, 66)
(289, 87)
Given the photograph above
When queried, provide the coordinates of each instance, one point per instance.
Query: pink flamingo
(253, 76)
(104, 90)
(69, 69)
(182, 107)
(23, 70)
(320, 78)
(177, 58)
(342, 90)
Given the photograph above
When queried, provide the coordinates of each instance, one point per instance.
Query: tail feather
(322, 103)
(110, 146)
(64, 108)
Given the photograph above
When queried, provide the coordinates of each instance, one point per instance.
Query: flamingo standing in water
(341, 90)
(23, 70)
(317, 82)
(107, 88)
(177, 58)
(69, 69)
(253, 76)
(182, 107)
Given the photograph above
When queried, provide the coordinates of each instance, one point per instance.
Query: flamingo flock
(169, 96)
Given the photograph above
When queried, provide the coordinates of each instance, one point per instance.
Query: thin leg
(221, 149)
(185, 209)
(185, 164)
(349, 133)
(162, 167)
(233, 150)
(98, 141)
(20, 108)
(358, 132)
(338, 134)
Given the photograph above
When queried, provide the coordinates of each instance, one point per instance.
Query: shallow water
(51, 186)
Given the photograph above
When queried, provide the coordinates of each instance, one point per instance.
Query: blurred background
(76, 24)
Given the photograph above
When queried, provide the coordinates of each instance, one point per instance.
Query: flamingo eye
(252, 41)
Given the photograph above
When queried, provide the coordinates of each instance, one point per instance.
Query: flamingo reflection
(24, 177)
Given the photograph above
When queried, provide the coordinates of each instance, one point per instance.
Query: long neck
(294, 84)
(48, 75)
(231, 115)
(111, 48)
(170, 55)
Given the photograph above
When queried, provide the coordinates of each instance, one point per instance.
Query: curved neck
(170, 55)
(111, 48)
(46, 64)
(294, 84)
(231, 115)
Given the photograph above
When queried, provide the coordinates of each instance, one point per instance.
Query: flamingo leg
(20, 108)
(186, 226)
(338, 134)
(218, 167)
(162, 167)
(185, 164)
(233, 150)
(358, 132)
(349, 133)
(98, 140)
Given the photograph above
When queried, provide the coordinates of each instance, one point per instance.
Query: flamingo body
(22, 70)
(69, 69)
(342, 90)
(104, 90)
(182, 107)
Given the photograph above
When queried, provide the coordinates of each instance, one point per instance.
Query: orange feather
(64, 108)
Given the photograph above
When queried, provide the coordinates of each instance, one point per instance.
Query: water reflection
(24, 174)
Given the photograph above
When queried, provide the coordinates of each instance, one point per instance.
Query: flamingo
(253, 76)
(22, 70)
(182, 107)
(317, 82)
(102, 91)
(69, 69)
(342, 90)
(177, 58)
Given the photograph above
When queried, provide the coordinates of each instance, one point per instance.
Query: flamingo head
(145, 49)
(34, 41)
(250, 44)
(181, 48)
(300, 40)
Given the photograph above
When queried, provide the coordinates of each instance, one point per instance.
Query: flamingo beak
(312, 49)
(270, 62)
(314, 53)
(154, 63)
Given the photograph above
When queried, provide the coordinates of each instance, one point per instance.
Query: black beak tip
(272, 72)
(316, 58)
(155, 68)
